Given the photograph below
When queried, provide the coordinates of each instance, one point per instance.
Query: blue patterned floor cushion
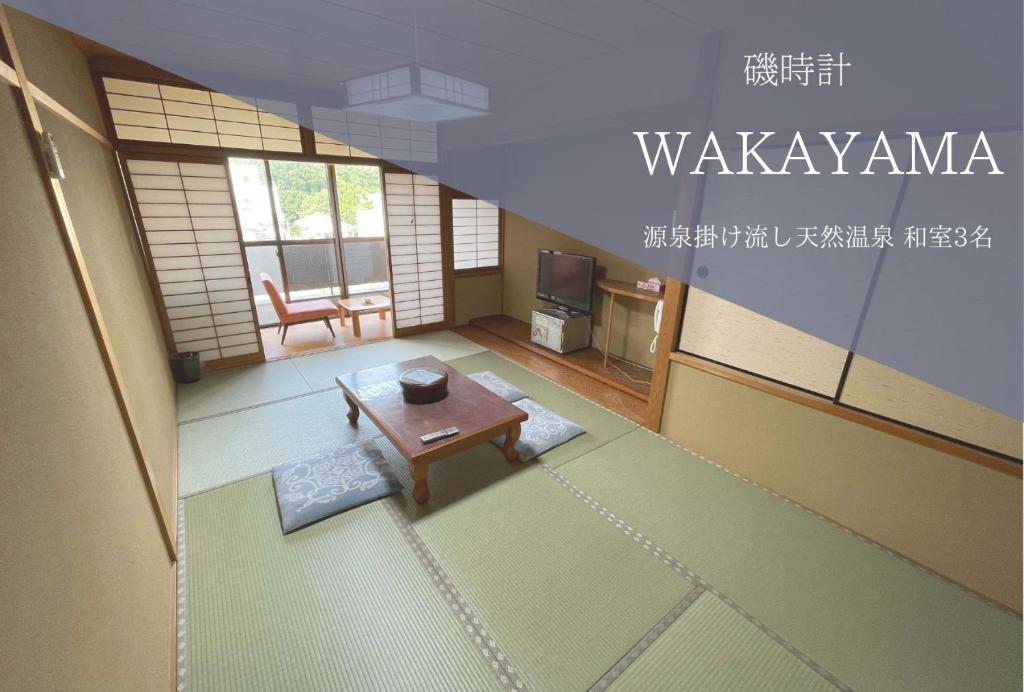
(326, 484)
(503, 388)
(542, 431)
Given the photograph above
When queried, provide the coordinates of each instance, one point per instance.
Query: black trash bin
(185, 367)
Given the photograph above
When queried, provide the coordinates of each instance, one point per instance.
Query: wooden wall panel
(730, 334)
(879, 389)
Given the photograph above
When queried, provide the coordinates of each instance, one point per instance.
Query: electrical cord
(593, 337)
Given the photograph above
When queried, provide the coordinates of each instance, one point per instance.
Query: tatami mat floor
(235, 389)
(618, 561)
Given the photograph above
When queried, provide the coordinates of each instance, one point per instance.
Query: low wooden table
(479, 414)
(353, 307)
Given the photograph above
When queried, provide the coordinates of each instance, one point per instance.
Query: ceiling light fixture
(415, 92)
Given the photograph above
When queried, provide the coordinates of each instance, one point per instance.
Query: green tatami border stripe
(659, 554)
(252, 475)
(659, 628)
(497, 660)
(252, 406)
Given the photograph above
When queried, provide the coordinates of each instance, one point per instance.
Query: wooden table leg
(356, 331)
(383, 312)
(341, 316)
(608, 331)
(511, 437)
(420, 490)
(353, 410)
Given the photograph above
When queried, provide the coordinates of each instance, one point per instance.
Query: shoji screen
(414, 244)
(475, 233)
(730, 334)
(188, 221)
(148, 112)
(349, 133)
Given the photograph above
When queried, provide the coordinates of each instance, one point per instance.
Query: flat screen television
(566, 279)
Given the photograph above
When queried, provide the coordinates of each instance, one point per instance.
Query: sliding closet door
(190, 231)
(415, 250)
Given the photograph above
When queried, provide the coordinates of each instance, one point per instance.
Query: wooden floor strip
(623, 404)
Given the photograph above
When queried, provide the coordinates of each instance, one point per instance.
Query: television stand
(560, 329)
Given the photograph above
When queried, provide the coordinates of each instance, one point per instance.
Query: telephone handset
(659, 308)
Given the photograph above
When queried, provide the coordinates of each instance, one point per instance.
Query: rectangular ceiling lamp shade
(417, 93)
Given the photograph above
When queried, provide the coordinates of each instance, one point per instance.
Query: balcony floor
(314, 336)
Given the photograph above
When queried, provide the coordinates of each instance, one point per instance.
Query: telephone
(659, 308)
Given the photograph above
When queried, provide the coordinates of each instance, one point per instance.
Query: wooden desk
(621, 288)
(479, 414)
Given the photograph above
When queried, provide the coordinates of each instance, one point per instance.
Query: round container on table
(423, 385)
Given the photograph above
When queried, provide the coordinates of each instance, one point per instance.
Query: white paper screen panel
(414, 244)
(475, 233)
(349, 133)
(148, 112)
(188, 222)
(730, 334)
(880, 389)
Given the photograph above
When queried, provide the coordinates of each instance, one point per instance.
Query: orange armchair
(298, 313)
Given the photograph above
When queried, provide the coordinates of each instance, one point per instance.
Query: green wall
(477, 296)
(87, 583)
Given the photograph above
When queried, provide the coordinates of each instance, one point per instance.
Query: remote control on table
(439, 435)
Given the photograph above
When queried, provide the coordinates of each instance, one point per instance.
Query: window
(316, 229)
(302, 200)
(249, 181)
(360, 201)
(476, 234)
